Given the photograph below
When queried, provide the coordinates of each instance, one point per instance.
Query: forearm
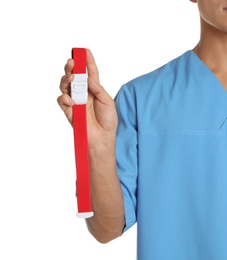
(106, 194)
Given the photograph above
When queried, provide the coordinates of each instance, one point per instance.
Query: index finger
(69, 66)
(67, 78)
(92, 67)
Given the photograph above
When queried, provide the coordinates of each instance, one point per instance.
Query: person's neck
(212, 47)
(212, 50)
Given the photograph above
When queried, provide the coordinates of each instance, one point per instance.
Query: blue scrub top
(172, 161)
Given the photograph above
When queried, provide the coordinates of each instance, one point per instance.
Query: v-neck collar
(209, 72)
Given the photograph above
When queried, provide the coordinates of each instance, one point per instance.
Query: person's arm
(106, 194)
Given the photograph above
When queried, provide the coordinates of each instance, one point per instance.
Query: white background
(37, 170)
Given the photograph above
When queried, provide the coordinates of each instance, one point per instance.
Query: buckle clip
(79, 88)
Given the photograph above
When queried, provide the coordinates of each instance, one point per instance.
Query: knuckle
(66, 78)
(59, 99)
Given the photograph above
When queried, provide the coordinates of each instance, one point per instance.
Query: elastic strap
(79, 120)
(82, 158)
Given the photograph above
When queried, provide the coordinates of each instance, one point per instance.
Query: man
(158, 155)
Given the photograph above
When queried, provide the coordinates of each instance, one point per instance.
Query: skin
(212, 47)
(106, 194)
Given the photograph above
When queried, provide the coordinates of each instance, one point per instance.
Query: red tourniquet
(81, 142)
(79, 57)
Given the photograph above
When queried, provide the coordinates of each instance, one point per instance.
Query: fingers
(65, 100)
(67, 78)
(93, 81)
(66, 103)
(98, 92)
(91, 67)
(69, 66)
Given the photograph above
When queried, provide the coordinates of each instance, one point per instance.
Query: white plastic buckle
(85, 214)
(79, 89)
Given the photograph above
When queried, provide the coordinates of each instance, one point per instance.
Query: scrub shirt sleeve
(126, 151)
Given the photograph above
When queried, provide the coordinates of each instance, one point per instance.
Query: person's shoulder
(158, 81)
(160, 76)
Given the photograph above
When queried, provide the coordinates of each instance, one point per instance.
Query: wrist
(106, 145)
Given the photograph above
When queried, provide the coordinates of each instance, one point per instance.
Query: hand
(101, 112)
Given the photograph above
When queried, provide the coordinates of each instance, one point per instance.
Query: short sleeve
(126, 151)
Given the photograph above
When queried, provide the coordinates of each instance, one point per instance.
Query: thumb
(98, 91)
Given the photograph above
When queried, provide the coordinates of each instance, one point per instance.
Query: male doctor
(158, 152)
